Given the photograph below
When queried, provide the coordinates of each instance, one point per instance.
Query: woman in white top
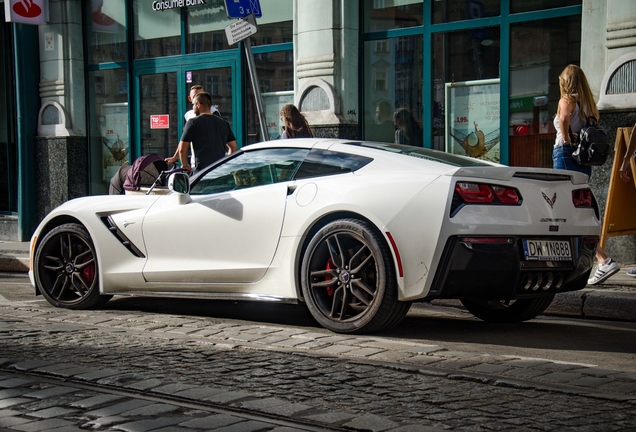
(576, 104)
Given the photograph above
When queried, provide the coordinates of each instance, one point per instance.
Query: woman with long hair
(407, 130)
(296, 125)
(575, 106)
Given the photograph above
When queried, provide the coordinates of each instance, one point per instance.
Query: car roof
(369, 148)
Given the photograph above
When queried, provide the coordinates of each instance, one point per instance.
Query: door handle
(291, 189)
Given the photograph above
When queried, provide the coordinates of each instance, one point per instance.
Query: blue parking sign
(243, 8)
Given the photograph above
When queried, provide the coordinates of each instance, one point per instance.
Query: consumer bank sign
(172, 4)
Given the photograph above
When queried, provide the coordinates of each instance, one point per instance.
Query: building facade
(103, 82)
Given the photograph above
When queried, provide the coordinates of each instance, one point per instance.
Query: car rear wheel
(508, 311)
(66, 268)
(348, 279)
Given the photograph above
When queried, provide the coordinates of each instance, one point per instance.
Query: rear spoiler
(507, 173)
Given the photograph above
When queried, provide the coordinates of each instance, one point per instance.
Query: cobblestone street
(270, 377)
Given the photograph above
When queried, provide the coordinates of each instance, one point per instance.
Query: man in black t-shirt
(210, 136)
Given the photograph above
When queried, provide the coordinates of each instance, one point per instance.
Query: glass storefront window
(539, 51)
(109, 146)
(274, 33)
(517, 6)
(276, 83)
(157, 33)
(393, 90)
(460, 10)
(106, 24)
(466, 104)
(205, 26)
(381, 15)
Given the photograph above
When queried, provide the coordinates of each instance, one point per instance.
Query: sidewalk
(614, 299)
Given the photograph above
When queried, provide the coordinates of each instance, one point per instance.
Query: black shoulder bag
(593, 148)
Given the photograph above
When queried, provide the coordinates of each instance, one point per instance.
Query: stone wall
(61, 172)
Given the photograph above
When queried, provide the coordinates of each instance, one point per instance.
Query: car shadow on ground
(424, 324)
(265, 312)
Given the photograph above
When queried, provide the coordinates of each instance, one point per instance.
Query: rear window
(324, 162)
(422, 153)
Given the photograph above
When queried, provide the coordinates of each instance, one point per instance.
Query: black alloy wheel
(66, 268)
(348, 279)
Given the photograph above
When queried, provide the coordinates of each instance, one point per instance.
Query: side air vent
(110, 224)
(542, 176)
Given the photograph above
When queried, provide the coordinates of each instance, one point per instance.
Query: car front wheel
(66, 268)
(348, 279)
(508, 311)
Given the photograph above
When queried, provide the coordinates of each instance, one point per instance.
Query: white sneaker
(603, 272)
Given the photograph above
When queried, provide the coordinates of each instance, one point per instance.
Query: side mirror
(179, 182)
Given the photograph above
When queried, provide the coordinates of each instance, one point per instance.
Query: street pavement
(118, 369)
(614, 299)
(64, 370)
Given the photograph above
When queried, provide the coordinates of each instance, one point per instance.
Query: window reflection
(205, 27)
(539, 51)
(517, 6)
(466, 117)
(108, 135)
(106, 23)
(276, 83)
(380, 15)
(393, 85)
(459, 10)
(157, 33)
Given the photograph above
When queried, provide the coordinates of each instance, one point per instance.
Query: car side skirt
(210, 296)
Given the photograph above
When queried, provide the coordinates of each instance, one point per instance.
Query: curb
(594, 303)
(14, 264)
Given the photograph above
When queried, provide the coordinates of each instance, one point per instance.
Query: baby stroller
(144, 172)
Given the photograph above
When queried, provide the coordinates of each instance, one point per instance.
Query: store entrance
(162, 95)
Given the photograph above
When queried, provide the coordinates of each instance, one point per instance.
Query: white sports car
(355, 230)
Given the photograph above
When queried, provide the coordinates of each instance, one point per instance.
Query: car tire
(65, 268)
(508, 311)
(348, 279)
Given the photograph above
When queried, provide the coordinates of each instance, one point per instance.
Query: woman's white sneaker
(603, 272)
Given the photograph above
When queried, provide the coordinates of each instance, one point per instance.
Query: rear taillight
(506, 195)
(482, 193)
(582, 198)
(475, 192)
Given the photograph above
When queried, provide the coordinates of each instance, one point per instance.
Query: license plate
(547, 250)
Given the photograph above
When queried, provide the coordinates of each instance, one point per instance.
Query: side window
(323, 162)
(250, 169)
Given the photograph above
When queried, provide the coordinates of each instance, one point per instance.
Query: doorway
(162, 101)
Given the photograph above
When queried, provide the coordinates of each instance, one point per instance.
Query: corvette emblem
(548, 200)
(126, 223)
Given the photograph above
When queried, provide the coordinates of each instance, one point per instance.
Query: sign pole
(257, 89)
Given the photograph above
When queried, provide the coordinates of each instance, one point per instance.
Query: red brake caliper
(328, 278)
(89, 271)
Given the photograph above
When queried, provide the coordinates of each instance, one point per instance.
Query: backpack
(593, 148)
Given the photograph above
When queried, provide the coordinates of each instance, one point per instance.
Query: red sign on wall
(160, 121)
(26, 11)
